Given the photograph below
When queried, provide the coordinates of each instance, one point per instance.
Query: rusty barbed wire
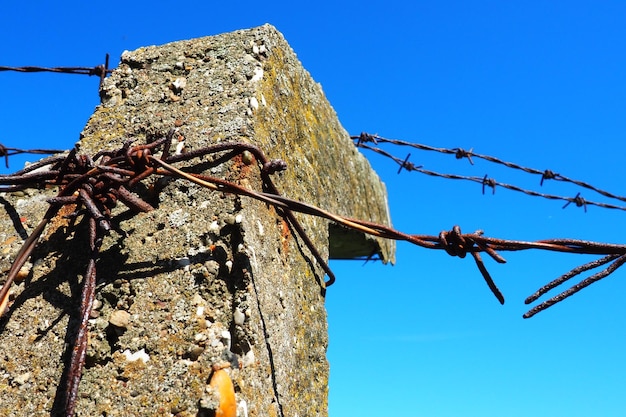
(458, 244)
(485, 181)
(7, 152)
(100, 71)
(453, 242)
(460, 153)
(91, 186)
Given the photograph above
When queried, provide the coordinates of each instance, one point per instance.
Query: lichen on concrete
(205, 277)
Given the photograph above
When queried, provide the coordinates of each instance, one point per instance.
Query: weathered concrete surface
(205, 277)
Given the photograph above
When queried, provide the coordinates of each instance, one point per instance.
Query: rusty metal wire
(92, 186)
(618, 260)
(457, 244)
(473, 243)
(100, 71)
(454, 242)
(362, 141)
(7, 152)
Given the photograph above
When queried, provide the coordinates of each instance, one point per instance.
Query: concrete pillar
(206, 277)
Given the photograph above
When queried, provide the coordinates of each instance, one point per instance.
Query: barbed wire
(453, 242)
(7, 152)
(91, 186)
(116, 168)
(99, 70)
(364, 138)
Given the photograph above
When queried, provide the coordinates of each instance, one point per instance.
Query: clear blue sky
(540, 83)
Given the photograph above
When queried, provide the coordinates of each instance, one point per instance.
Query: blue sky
(537, 83)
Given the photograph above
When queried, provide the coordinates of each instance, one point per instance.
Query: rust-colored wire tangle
(94, 185)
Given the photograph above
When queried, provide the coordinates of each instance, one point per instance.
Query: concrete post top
(206, 277)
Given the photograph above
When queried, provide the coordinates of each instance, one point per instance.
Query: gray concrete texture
(206, 277)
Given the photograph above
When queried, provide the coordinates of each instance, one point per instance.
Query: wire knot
(139, 158)
(98, 70)
(489, 182)
(409, 166)
(548, 175)
(454, 243)
(579, 201)
(274, 165)
(462, 153)
(365, 137)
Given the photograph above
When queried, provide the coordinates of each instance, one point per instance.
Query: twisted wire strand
(8, 152)
(59, 70)
(459, 153)
(100, 71)
(488, 182)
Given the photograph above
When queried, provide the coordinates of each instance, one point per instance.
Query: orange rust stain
(285, 234)
(223, 384)
(60, 220)
(242, 169)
